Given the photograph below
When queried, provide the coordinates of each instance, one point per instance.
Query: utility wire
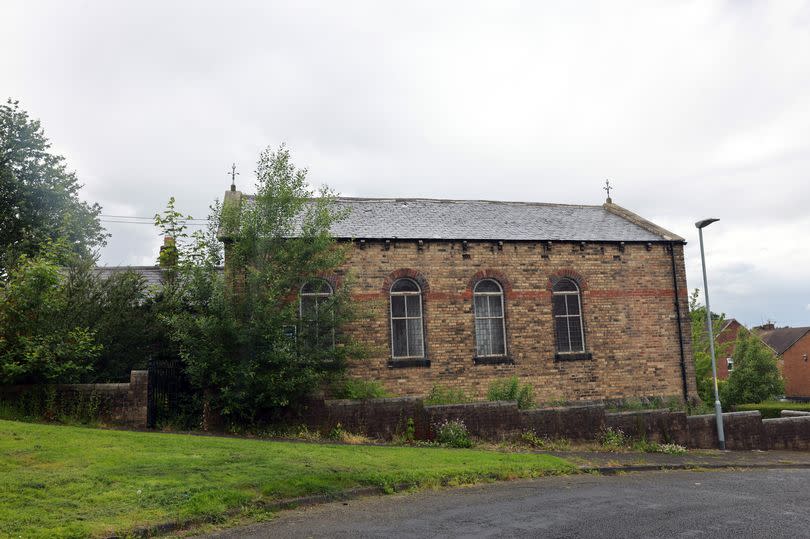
(146, 218)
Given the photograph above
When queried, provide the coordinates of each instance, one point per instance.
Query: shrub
(531, 439)
(672, 449)
(444, 395)
(509, 389)
(611, 438)
(453, 433)
(772, 409)
(359, 389)
(755, 377)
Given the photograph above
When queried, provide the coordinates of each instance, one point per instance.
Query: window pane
(575, 325)
(398, 306)
(496, 331)
(415, 347)
(573, 303)
(308, 307)
(565, 285)
(563, 343)
(414, 305)
(559, 304)
(399, 329)
(316, 286)
(405, 285)
(481, 306)
(487, 285)
(482, 337)
(495, 306)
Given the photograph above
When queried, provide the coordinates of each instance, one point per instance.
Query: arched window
(407, 336)
(568, 317)
(490, 328)
(312, 300)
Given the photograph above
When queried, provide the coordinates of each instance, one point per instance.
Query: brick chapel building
(583, 302)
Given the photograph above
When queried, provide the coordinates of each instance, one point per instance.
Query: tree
(243, 340)
(39, 196)
(700, 345)
(39, 341)
(755, 377)
(63, 322)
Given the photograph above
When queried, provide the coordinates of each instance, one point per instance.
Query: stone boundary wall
(495, 421)
(122, 404)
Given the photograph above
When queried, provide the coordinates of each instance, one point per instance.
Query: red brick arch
(405, 273)
(569, 273)
(489, 274)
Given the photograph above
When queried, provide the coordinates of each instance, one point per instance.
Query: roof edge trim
(642, 222)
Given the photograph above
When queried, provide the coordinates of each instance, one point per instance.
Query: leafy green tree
(755, 377)
(39, 196)
(700, 345)
(38, 343)
(62, 322)
(243, 340)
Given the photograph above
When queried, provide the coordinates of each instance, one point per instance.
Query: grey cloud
(692, 109)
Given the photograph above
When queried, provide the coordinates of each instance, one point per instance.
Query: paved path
(754, 503)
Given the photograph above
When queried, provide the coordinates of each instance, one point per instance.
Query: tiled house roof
(780, 339)
(153, 275)
(417, 218)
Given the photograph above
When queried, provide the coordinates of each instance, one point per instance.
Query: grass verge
(76, 482)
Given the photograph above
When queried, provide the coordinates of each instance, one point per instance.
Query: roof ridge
(457, 200)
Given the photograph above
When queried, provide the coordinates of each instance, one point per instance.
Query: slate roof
(780, 339)
(153, 275)
(418, 218)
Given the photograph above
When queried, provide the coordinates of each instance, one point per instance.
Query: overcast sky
(692, 109)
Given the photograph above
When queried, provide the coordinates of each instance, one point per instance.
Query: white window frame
(319, 298)
(421, 318)
(502, 317)
(568, 316)
(302, 295)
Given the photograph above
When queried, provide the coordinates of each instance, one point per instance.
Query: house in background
(583, 302)
(725, 341)
(792, 347)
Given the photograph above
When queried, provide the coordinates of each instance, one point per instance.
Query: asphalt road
(758, 503)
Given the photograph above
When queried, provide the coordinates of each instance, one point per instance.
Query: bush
(509, 389)
(755, 377)
(531, 439)
(444, 395)
(359, 389)
(611, 438)
(772, 409)
(453, 433)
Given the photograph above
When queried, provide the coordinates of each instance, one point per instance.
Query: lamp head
(705, 222)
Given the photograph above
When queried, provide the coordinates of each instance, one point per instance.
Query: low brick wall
(793, 413)
(382, 418)
(495, 421)
(572, 422)
(743, 430)
(487, 420)
(787, 432)
(662, 426)
(115, 404)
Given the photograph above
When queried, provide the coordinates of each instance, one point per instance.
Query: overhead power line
(152, 219)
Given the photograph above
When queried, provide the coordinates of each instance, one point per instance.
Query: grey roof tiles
(485, 220)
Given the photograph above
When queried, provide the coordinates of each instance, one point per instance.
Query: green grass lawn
(76, 482)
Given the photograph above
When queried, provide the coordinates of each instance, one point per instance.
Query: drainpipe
(680, 323)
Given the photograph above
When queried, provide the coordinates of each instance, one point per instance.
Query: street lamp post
(718, 410)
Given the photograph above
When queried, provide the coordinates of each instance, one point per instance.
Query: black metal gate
(168, 387)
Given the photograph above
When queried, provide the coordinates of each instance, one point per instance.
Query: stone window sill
(503, 360)
(575, 356)
(407, 363)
